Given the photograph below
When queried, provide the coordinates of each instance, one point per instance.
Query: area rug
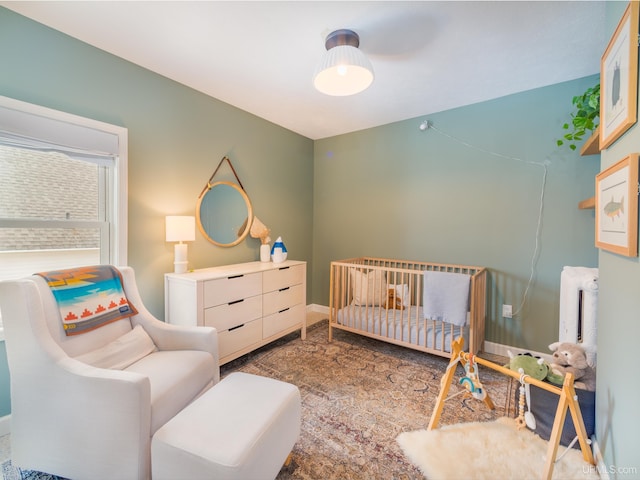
(488, 450)
(9, 472)
(358, 395)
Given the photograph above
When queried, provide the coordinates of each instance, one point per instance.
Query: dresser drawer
(240, 337)
(278, 300)
(277, 322)
(229, 315)
(232, 288)
(283, 277)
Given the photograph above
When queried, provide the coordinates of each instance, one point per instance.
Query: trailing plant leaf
(585, 118)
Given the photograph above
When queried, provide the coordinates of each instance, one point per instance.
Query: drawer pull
(236, 327)
(236, 301)
(284, 289)
(235, 276)
(283, 310)
(284, 268)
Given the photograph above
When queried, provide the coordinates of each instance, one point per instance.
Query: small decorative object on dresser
(250, 304)
(278, 251)
(265, 253)
(260, 230)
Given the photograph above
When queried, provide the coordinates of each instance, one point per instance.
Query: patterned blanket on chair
(88, 297)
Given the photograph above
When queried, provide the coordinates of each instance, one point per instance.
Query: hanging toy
(529, 419)
(471, 381)
(520, 421)
(525, 418)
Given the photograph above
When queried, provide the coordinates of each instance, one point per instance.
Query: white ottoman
(242, 428)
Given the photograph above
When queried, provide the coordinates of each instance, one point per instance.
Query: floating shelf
(588, 203)
(592, 144)
(591, 147)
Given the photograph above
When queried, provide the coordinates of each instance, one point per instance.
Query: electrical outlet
(507, 311)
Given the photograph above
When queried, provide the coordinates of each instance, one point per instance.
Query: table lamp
(180, 229)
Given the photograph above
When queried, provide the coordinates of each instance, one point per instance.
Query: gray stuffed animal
(571, 357)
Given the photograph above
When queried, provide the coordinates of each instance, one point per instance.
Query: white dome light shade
(344, 70)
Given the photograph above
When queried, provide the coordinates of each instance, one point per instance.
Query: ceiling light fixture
(344, 70)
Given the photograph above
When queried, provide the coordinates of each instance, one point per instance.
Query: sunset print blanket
(88, 297)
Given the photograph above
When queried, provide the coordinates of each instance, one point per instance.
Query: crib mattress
(406, 325)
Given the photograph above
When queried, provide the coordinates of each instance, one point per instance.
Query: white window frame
(53, 126)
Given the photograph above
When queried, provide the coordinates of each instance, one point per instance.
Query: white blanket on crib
(446, 296)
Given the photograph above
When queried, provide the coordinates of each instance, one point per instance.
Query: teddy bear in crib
(394, 301)
(571, 357)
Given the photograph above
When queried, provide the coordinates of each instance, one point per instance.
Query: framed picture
(617, 207)
(619, 79)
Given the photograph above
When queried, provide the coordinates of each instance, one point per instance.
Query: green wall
(467, 193)
(177, 136)
(617, 393)
(391, 191)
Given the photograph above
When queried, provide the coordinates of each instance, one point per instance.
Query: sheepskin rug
(488, 450)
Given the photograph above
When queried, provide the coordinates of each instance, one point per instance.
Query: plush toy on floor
(571, 357)
(535, 367)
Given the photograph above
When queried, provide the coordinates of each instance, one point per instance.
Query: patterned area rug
(358, 395)
(9, 472)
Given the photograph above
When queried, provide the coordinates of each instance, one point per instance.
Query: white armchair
(79, 421)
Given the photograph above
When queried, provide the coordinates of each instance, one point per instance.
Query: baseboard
(503, 350)
(5, 425)
(316, 313)
(601, 467)
(315, 308)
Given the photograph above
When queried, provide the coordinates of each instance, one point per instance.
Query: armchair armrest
(179, 337)
(167, 336)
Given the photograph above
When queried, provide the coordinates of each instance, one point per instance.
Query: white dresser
(250, 304)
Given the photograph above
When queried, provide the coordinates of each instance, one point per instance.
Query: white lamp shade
(181, 229)
(344, 70)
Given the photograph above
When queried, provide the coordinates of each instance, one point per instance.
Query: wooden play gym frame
(568, 399)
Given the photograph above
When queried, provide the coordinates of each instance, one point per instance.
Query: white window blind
(62, 190)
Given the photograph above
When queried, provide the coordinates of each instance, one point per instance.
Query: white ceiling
(428, 56)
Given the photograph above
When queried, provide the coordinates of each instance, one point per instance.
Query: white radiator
(579, 307)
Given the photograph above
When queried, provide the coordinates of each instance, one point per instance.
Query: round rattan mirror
(224, 214)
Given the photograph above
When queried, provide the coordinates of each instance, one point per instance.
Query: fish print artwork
(614, 209)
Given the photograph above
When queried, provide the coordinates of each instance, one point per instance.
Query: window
(62, 191)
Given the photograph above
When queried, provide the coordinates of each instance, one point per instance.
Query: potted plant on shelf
(585, 118)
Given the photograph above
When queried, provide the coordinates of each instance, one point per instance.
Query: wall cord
(544, 165)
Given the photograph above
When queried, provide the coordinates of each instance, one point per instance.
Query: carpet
(358, 395)
(488, 450)
(9, 472)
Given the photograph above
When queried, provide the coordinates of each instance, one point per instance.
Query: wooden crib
(383, 299)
